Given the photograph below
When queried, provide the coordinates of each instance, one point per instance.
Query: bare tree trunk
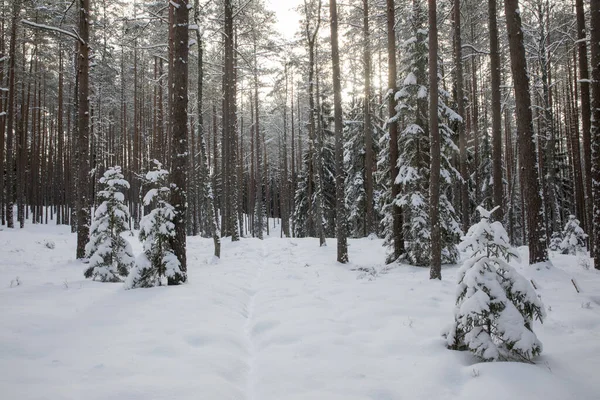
(435, 148)
(595, 133)
(340, 207)
(285, 181)
(2, 123)
(83, 130)
(397, 232)
(585, 112)
(368, 128)
(314, 147)
(460, 102)
(11, 111)
(179, 145)
(530, 183)
(496, 111)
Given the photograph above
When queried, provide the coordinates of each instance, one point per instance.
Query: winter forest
(357, 199)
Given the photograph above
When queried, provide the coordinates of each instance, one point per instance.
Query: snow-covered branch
(74, 35)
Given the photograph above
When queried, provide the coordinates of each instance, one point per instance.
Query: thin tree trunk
(397, 229)
(11, 111)
(83, 130)
(340, 208)
(435, 148)
(498, 187)
(595, 132)
(368, 128)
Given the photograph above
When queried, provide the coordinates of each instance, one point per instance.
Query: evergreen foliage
(495, 306)
(110, 255)
(157, 265)
(302, 221)
(413, 160)
(354, 164)
(574, 237)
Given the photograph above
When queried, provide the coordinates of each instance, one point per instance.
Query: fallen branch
(575, 284)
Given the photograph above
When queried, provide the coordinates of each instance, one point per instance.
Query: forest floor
(276, 319)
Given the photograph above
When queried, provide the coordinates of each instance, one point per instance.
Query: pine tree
(157, 265)
(109, 253)
(495, 306)
(354, 165)
(413, 160)
(573, 237)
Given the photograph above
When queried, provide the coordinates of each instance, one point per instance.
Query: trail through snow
(276, 319)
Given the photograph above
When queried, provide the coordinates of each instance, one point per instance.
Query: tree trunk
(11, 111)
(585, 111)
(435, 148)
(530, 183)
(462, 135)
(83, 130)
(595, 135)
(179, 145)
(397, 232)
(340, 207)
(368, 128)
(496, 111)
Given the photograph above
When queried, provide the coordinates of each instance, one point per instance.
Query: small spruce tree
(157, 264)
(110, 255)
(496, 306)
(573, 237)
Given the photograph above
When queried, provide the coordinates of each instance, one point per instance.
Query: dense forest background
(388, 118)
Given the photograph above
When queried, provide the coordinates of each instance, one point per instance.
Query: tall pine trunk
(584, 92)
(435, 148)
(340, 207)
(595, 50)
(397, 233)
(368, 128)
(496, 111)
(530, 183)
(178, 121)
(83, 130)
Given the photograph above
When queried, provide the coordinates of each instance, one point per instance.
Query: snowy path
(273, 320)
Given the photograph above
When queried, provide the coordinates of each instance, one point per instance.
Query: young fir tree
(157, 265)
(495, 306)
(574, 237)
(302, 222)
(354, 165)
(414, 143)
(109, 253)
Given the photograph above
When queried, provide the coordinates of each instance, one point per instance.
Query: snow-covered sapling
(573, 237)
(157, 264)
(495, 306)
(110, 255)
(555, 241)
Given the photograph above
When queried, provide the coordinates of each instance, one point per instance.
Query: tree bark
(397, 233)
(435, 148)
(340, 207)
(462, 134)
(595, 132)
(11, 111)
(83, 130)
(368, 128)
(584, 92)
(179, 145)
(530, 183)
(498, 187)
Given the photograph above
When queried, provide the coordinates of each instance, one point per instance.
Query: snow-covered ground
(272, 320)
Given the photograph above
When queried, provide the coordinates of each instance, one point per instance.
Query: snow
(274, 319)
